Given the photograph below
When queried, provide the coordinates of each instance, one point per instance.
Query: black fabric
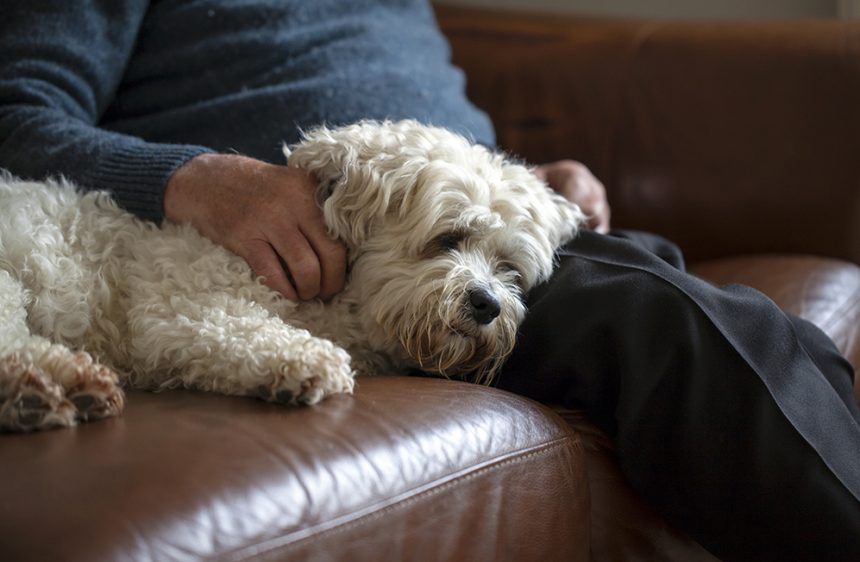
(734, 420)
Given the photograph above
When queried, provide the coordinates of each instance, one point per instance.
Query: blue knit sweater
(116, 94)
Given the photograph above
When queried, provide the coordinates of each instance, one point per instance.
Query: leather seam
(375, 512)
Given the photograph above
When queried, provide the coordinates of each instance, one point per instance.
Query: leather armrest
(728, 138)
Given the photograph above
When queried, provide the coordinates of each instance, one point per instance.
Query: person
(735, 420)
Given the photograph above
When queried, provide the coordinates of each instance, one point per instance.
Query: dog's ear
(353, 166)
(543, 219)
(566, 220)
(320, 155)
(558, 216)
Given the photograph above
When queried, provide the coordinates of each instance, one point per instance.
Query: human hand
(264, 213)
(576, 183)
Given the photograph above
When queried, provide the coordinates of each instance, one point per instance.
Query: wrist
(180, 192)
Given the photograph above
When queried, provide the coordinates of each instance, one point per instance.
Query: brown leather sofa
(737, 140)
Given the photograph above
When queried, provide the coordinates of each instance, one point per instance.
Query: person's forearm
(60, 63)
(38, 142)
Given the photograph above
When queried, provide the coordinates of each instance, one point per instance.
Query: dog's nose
(485, 305)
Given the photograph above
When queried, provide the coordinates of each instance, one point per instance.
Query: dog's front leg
(232, 345)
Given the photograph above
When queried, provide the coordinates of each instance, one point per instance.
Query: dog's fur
(92, 299)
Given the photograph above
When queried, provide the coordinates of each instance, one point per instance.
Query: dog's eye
(450, 240)
(508, 267)
(445, 242)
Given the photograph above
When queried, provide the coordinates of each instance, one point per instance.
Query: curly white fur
(429, 221)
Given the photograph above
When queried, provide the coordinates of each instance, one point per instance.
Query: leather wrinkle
(349, 521)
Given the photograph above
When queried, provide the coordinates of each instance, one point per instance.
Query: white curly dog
(443, 239)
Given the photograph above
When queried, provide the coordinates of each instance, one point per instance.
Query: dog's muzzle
(485, 306)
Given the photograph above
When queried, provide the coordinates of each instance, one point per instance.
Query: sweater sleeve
(60, 65)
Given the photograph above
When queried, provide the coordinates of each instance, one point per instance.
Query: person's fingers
(596, 205)
(303, 264)
(330, 254)
(599, 221)
(556, 174)
(263, 260)
(574, 181)
(332, 258)
(273, 221)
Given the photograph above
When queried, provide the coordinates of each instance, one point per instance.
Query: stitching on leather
(259, 550)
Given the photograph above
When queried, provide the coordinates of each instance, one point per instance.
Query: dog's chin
(465, 350)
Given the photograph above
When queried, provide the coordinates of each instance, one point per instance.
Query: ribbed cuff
(136, 175)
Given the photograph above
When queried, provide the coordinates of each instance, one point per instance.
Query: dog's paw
(55, 388)
(321, 369)
(29, 399)
(93, 389)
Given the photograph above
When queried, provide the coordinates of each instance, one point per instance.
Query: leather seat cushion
(411, 468)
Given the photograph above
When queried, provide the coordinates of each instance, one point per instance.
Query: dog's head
(444, 238)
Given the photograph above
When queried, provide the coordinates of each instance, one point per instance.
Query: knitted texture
(117, 94)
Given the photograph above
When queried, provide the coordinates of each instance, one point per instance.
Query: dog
(444, 238)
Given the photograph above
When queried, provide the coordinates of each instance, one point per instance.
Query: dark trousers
(733, 419)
